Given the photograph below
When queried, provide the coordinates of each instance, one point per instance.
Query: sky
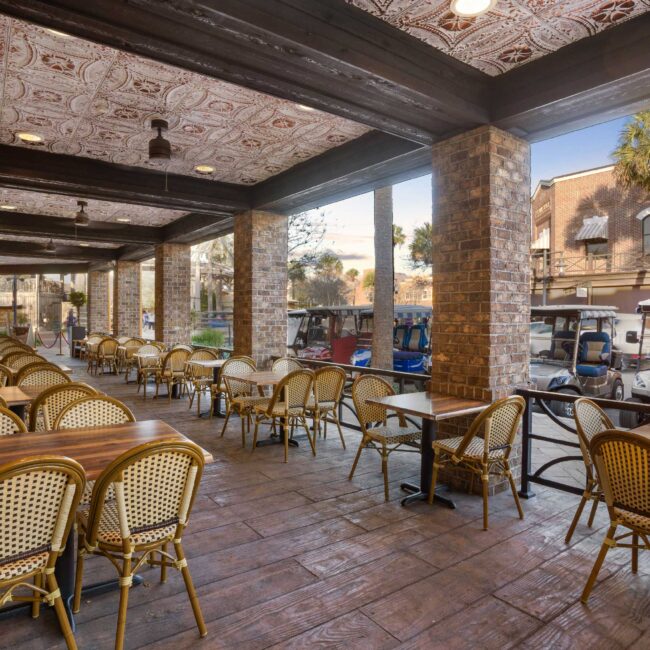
(350, 223)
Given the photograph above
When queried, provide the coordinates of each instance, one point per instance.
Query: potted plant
(78, 299)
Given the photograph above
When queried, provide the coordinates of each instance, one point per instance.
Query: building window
(597, 249)
(646, 236)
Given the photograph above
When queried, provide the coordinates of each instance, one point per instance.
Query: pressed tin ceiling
(512, 34)
(57, 205)
(91, 100)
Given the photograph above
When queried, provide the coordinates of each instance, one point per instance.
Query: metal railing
(540, 399)
(560, 265)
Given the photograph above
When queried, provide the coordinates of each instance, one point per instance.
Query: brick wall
(172, 289)
(98, 302)
(260, 299)
(126, 299)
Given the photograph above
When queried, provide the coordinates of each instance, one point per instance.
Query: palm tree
(421, 246)
(352, 275)
(384, 293)
(632, 156)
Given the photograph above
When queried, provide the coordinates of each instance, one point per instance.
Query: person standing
(145, 319)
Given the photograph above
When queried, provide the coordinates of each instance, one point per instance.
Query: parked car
(641, 383)
(540, 337)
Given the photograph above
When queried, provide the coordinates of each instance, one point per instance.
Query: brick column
(260, 300)
(173, 278)
(127, 318)
(98, 299)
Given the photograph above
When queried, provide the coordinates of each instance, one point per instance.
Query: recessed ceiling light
(123, 220)
(204, 169)
(30, 137)
(471, 8)
(56, 32)
(84, 244)
(302, 107)
(8, 207)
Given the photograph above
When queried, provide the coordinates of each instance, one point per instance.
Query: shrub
(210, 337)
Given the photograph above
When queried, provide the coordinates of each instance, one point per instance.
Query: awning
(593, 228)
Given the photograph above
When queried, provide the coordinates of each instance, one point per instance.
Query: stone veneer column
(98, 302)
(481, 275)
(260, 300)
(127, 320)
(172, 282)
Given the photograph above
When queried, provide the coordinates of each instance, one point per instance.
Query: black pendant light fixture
(50, 247)
(159, 148)
(81, 218)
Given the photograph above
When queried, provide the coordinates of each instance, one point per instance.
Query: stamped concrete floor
(297, 556)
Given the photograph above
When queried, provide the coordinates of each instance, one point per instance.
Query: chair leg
(594, 507)
(608, 542)
(635, 553)
(36, 603)
(513, 487)
(78, 579)
(576, 518)
(257, 426)
(362, 444)
(59, 609)
(286, 440)
(191, 592)
(225, 423)
(434, 475)
(163, 564)
(243, 430)
(335, 417)
(384, 469)
(312, 442)
(125, 585)
(485, 479)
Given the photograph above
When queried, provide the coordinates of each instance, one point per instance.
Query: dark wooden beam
(29, 249)
(24, 168)
(32, 269)
(38, 225)
(327, 54)
(195, 228)
(585, 83)
(372, 161)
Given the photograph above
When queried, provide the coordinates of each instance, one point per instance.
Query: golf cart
(641, 383)
(580, 358)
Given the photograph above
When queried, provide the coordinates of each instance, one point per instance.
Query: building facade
(591, 241)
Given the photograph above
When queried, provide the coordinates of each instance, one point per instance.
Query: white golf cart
(580, 358)
(641, 383)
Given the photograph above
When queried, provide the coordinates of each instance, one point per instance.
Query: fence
(559, 265)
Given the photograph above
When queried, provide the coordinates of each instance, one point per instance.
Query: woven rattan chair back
(41, 374)
(10, 423)
(6, 375)
(329, 384)
(148, 362)
(154, 484)
(590, 420)
(497, 425)
(232, 367)
(364, 388)
(93, 411)
(16, 360)
(293, 390)
(197, 372)
(175, 360)
(107, 347)
(286, 364)
(14, 350)
(182, 346)
(48, 405)
(622, 460)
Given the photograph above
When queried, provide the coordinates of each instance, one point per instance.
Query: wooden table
(18, 398)
(644, 429)
(432, 408)
(94, 448)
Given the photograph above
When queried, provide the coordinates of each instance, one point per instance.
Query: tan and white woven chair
(287, 405)
(155, 486)
(38, 498)
(622, 460)
(172, 371)
(45, 409)
(107, 355)
(384, 438)
(90, 350)
(41, 374)
(10, 351)
(10, 423)
(199, 379)
(93, 411)
(147, 366)
(286, 364)
(241, 399)
(125, 359)
(220, 388)
(323, 405)
(18, 360)
(6, 376)
(590, 420)
(485, 449)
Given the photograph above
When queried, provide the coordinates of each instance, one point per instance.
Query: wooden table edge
(472, 410)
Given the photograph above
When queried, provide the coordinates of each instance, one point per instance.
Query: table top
(430, 406)
(20, 395)
(148, 355)
(262, 377)
(208, 363)
(94, 447)
(643, 429)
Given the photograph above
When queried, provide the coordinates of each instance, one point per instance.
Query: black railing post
(526, 455)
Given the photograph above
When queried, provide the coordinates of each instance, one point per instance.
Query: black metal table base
(417, 495)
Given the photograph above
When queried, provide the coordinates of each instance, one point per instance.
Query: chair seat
(322, 406)
(23, 566)
(250, 401)
(394, 434)
(278, 410)
(631, 519)
(473, 450)
(591, 370)
(109, 528)
(176, 374)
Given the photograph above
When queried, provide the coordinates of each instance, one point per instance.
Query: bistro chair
(239, 394)
(155, 486)
(286, 364)
(17, 360)
(45, 409)
(172, 371)
(147, 365)
(39, 497)
(324, 403)
(485, 448)
(590, 420)
(6, 376)
(41, 374)
(220, 388)
(91, 347)
(107, 355)
(10, 423)
(125, 358)
(622, 460)
(93, 411)
(199, 379)
(287, 404)
(384, 438)
(14, 349)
